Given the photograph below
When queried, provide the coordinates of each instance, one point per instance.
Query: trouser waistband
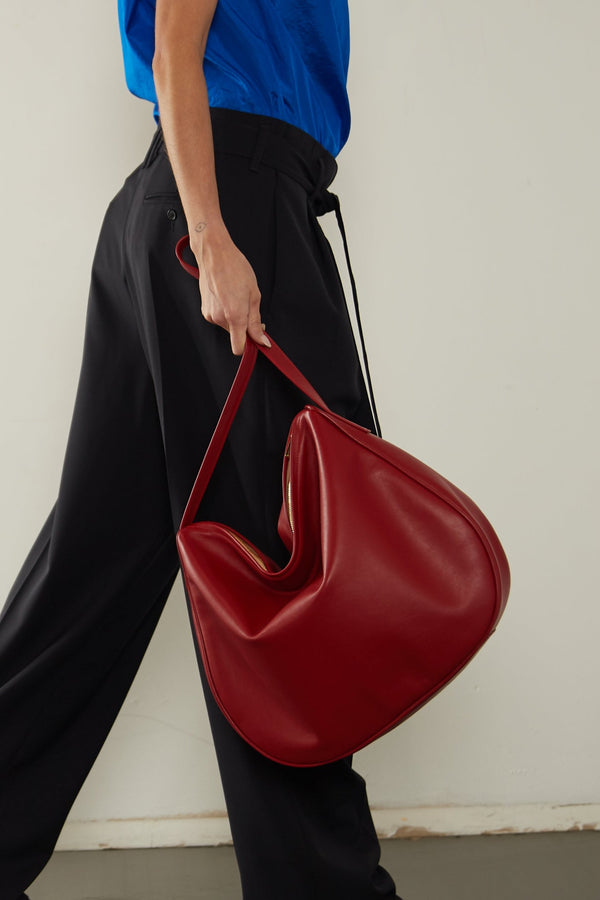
(267, 141)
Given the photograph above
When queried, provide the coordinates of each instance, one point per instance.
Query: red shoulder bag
(395, 580)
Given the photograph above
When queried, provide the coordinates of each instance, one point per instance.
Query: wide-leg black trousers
(154, 377)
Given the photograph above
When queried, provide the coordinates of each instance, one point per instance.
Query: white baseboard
(444, 821)
(426, 821)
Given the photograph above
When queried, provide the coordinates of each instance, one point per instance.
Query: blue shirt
(281, 58)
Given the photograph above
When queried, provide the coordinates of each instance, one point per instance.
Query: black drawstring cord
(325, 201)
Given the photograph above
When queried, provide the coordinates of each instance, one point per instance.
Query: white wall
(470, 191)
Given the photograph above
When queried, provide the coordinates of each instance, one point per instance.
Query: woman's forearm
(229, 293)
(185, 119)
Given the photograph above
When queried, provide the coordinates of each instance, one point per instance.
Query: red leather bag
(395, 580)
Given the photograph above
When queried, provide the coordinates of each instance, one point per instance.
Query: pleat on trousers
(153, 379)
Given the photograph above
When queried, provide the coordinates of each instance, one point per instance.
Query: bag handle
(276, 355)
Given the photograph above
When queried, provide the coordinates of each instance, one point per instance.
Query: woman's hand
(228, 287)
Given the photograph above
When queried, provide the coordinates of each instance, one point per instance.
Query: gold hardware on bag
(288, 486)
(247, 546)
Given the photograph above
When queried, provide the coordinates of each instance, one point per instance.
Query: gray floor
(508, 867)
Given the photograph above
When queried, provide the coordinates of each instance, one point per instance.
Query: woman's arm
(228, 287)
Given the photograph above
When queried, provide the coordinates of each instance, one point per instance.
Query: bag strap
(276, 355)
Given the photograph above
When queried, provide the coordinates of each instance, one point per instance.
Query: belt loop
(259, 148)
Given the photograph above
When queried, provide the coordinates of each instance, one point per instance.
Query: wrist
(210, 231)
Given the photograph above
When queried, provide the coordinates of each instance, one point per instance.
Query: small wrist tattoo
(200, 226)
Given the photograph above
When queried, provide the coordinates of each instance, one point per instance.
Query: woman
(251, 111)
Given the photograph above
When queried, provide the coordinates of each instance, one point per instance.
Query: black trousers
(153, 379)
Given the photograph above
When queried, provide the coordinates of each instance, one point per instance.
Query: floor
(562, 866)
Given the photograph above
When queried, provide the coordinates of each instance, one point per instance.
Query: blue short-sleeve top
(281, 58)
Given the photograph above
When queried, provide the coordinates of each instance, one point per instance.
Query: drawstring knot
(322, 200)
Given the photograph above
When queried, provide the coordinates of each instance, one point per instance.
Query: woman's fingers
(237, 325)
(246, 323)
(256, 330)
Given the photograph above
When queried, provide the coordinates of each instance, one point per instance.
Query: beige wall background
(471, 196)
